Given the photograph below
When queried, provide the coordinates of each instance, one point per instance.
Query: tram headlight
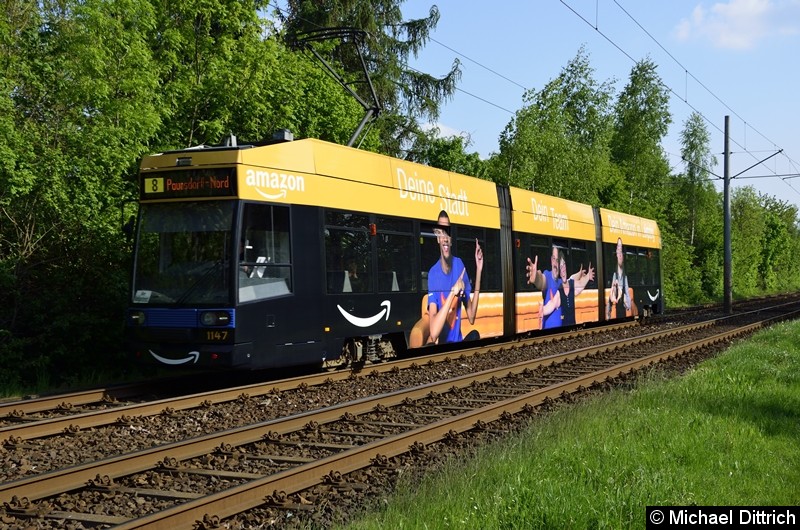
(137, 318)
(215, 318)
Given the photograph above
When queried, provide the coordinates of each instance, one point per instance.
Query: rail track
(39, 408)
(265, 465)
(22, 418)
(70, 413)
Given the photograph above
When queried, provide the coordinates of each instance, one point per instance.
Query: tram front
(182, 299)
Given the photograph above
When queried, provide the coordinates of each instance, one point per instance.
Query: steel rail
(96, 418)
(252, 494)
(78, 398)
(41, 404)
(45, 403)
(59, 481)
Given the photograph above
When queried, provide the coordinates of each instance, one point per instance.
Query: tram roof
(331, 174)
(327, 174)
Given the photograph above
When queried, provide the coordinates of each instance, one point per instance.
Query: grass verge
(726, 433)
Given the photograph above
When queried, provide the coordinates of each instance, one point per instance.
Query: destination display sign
(174, 184)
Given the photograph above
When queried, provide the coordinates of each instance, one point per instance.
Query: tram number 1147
(216, 335)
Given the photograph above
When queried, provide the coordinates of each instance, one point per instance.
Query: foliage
(87, 87)
(83, 114)
(682, 279)
(779, 231)
(747, 234)
(641, 119)
(694, 185)
(404, 94)
(694, 211)
(446, 153)
(202, 52)
(558, 143)
(221, 76)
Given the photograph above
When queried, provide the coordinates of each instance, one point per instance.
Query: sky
(736, 58)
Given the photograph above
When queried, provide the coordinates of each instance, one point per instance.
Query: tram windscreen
(184, 253)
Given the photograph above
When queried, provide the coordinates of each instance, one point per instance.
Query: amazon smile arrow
(365, 322)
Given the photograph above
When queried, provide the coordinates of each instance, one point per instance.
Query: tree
(641, 120)
(558, 143)
(406, 96)
(695, 209)
(698, 192)
(446, 153)
(203, 52)
(748, 230)
(82, 113)
(224, 71)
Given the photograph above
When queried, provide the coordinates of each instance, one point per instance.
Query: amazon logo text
(274, 185)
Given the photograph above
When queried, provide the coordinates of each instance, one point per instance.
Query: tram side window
(563, 251)
(531, 246)
(647, 266)
(348, 256)
(653, 267)
(396, 255)
(489, 241)
(644, 273)
(633, 266)
(429, 252)
(265, 257)
(579, 258)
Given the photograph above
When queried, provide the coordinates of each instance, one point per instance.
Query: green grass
(727, 433)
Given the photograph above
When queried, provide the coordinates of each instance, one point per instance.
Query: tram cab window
(181, 253)
(265, 257)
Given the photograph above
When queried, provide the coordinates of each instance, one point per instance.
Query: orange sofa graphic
(489, 317)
